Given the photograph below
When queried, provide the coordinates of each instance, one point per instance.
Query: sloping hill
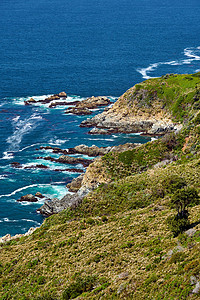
(117, 243)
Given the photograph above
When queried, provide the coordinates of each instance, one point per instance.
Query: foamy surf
(192, 53)
(21, 128)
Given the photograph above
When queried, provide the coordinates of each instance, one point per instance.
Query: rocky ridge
(128, 115)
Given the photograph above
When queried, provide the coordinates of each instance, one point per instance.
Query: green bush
(173, 183)
(80, 286)
(177, 225)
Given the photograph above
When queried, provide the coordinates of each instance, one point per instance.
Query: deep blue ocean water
(84, 48)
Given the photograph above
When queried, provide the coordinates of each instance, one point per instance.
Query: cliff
(154, 107)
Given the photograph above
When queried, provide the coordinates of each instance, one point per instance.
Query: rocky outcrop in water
(80, 111)
(28, 198)
(84, 107)
(91, 150)
(65, 159)
(61, 95)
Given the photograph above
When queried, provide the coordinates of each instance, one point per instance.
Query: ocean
(84, 48)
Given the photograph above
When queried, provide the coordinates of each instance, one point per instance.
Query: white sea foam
(192, 54)
(21, 128)
(55, 141)
(18, 190)
(29, 147)
(3, 176)
(7, 155)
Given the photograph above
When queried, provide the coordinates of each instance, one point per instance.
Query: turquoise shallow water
(23, 130)
(85, 48)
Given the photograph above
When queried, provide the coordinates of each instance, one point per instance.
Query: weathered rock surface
(55, 206)
(28, 198)
(78, 111)
(75, 184)
(39, 195)
(61, 95)
(130, 116)
(84, 107)
(92, 150)
(94, 102)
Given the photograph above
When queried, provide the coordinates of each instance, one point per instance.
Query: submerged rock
(65, 159)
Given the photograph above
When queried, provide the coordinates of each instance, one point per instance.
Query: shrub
(177, 225)
(183, 198)
(173, 183)
(80, 286)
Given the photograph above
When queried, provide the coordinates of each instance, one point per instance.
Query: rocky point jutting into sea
(139, 110)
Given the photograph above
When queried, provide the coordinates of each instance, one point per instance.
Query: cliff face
(127, 116)
(155, 107)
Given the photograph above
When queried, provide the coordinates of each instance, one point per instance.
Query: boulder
(99, 131)
(62, 95)
(39, 195)
(28, 198)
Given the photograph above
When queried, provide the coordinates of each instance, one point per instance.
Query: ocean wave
(30, 146)
(15, 221)
(7, 155)
(192, 54)
(18, 190)
(21, 128)
(49, 190)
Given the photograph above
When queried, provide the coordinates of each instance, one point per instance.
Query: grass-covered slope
(117, 243)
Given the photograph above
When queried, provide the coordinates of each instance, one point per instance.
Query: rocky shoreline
(79, 187)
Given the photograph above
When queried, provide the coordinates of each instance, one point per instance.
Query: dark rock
(59, 103)
(28, 198)
(16, 165)
(65, 159)
(39, 166)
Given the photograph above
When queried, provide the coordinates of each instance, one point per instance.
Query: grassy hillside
(117, 243)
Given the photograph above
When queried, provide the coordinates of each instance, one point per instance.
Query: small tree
(182, 199)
